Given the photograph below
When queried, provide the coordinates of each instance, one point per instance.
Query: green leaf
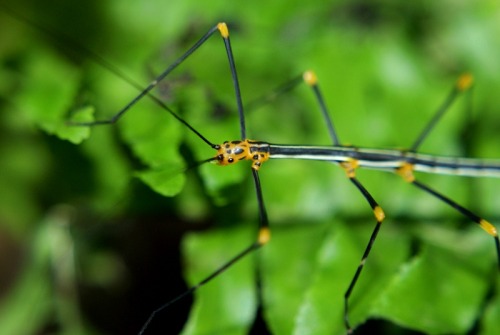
(48, 95)
(305, 272)
(491, 319)
(322, 309)
(287, 273)
(446, 289)
(226, 305)
(76, 134)
(40, 295)
(167, 181)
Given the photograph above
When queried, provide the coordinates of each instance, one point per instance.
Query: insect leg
(406, 172)
(263, 238)
(463, 83)
(350, 167)
(311, 80)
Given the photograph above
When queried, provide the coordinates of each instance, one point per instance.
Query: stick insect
(402, 162)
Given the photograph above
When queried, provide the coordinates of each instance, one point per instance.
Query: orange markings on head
(235, 151)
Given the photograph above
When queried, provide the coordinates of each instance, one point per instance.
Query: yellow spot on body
(464, 82)
(379, 213)
(488, 227)
(310, 78)
(350, 167)
(406, 172)
(264, 235)
(222, 26)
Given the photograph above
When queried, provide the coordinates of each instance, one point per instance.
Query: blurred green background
(87, 248)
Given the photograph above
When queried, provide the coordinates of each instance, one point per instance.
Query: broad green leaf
(48, 96)
(227, 304)
(445, 288)
(491, 319)
(167, 182)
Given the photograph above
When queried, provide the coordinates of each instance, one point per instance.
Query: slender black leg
(406, 172)
(463, 83)
(350, 167)
(263, 238)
